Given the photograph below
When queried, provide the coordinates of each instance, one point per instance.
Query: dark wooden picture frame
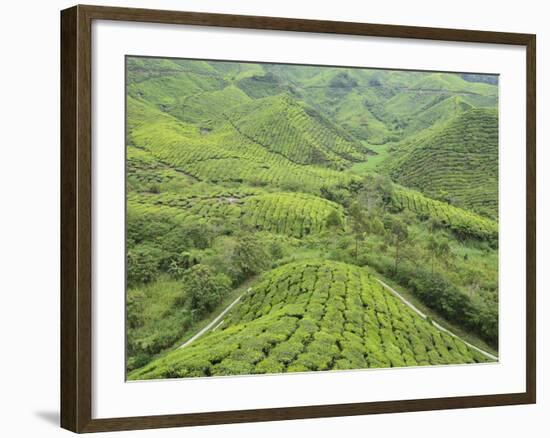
(76, 218)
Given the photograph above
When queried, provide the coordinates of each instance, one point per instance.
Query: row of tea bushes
(314, 315)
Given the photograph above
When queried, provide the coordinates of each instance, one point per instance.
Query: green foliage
(463, 223)
(334, 219)
(294, 214)
(262, 173)
(454, 305)
(155, 319)
(258, 86)
(224, 155)
(204, 288)
(459, 158)
(283, 126)
(143, 264)
(248, 257)
(313, 315)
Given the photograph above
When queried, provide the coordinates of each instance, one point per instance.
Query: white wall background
(29, 218)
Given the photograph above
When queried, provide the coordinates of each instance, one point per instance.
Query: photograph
(285, 218)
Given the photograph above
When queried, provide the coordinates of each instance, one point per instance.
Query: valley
(287, 196)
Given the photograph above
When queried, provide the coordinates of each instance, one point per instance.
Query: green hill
(206, 109)
(293, 214)
(457, 162)
(285, 127)
(315, 315)
(378, 106)
(264, 85)
(434, 88)
(246, 175)
(462, 222)
(221, 153)
(436, 114)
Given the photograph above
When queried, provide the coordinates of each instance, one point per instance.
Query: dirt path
(213, 322)
(435, 324)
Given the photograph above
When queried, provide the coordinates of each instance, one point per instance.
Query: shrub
(247, 355)
(230, 367)
(248, 258)
(269, 366)
(142, 264)
(285, 352)
(204, 288)
(334, 219)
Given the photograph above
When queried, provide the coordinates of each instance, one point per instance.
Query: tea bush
(314, 315)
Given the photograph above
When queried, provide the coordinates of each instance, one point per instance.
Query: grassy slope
(167, 319)
(285, 127)
(457, 330)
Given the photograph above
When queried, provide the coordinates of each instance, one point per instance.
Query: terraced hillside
(265, 201)
(292, 214)
(310, 316)
(381, 106)
(457, 162)
(221, 154)
(462, 222)
(284, 127)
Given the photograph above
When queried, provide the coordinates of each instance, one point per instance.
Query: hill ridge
(469, 142)
(313, 315)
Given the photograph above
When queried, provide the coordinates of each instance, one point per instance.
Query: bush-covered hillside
(311, 316)
(457, 163)
(265, 201)
(463, 223)
(285, 127)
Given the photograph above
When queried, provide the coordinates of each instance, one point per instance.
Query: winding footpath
(213, 322)
(435, 324)
(216, 322)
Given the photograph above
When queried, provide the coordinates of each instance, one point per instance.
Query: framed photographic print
(325, 218)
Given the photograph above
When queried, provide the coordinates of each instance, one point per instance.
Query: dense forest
(285, 218)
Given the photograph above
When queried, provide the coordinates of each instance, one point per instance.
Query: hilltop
(310, 316)
(300, 134)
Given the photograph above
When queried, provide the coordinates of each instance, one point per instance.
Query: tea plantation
(457, 162)
(463, 222)
(311, 316)
(265, 201)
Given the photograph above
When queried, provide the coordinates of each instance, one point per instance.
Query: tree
(336, 194)
(204, 288)
(358, 223)
(179, 263)
(134, 308)
(142, 264)
(334, 219)
(439, 248)
(248, 257)
(384, 186)
(276, 249)
(200, 234)
(376, 191)
(399, 234)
